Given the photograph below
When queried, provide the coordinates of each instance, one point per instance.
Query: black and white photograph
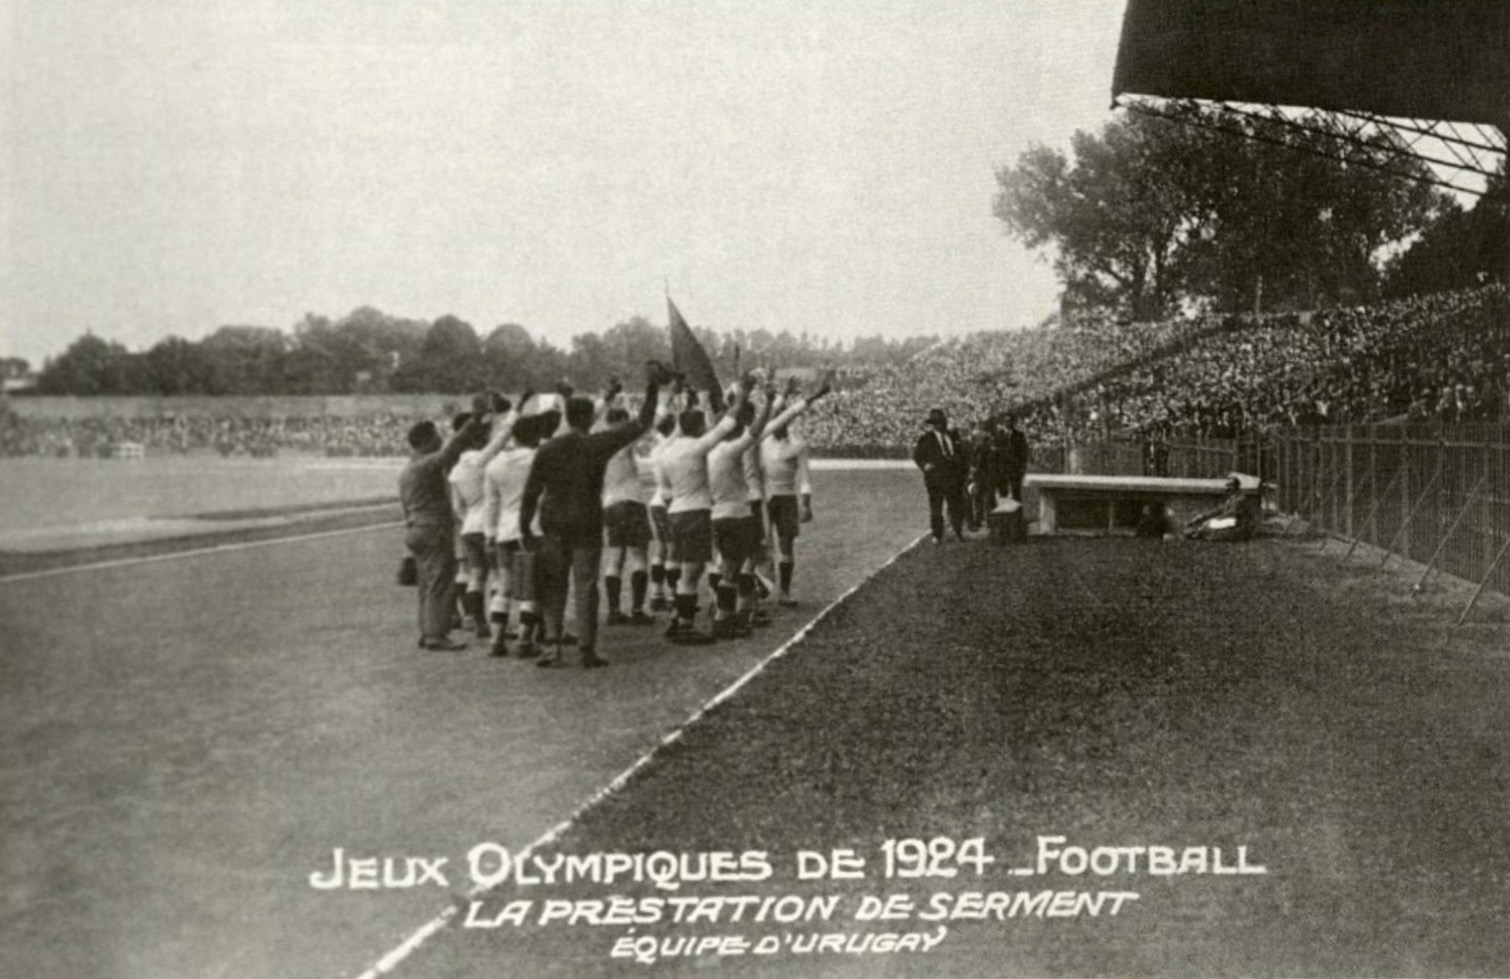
(965, 489)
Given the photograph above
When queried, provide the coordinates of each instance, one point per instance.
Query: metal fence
(1438, 495)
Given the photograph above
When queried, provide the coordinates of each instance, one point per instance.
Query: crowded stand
(1444, 356)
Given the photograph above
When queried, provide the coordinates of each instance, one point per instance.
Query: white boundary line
(407, 947)
(196, 552)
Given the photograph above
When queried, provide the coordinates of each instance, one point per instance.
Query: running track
(182, 742)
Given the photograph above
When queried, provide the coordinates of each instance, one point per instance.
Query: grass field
(1112, 692)
(183, 743)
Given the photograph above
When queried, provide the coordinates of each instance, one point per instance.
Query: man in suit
(1012, 458)
(940, 454)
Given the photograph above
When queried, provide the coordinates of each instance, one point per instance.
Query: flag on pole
(687, 355)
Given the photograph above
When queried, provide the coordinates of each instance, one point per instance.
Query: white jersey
(503, 493)
(466, 490)
(754, 474)
(683, 463)
(621, 479)
(661, 495)
(726, 477)
(785, 462)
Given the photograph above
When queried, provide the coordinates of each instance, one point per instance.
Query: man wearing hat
(941, 455)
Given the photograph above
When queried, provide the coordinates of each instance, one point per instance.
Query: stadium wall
(230, 406)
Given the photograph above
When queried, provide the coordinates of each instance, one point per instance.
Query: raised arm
(503, 428)
(615, 439)
(793, 409)
(764, 414)
(730, 419)
(460, 439)
(492, 504)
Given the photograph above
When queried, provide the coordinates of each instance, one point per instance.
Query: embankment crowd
(1437, 357)
(528, 509)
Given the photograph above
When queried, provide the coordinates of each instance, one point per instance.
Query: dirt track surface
(183, 742)
(1116, 693)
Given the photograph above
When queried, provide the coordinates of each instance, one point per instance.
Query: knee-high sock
(613, 587)
(785, 572)
(637, 582)
(727, 598)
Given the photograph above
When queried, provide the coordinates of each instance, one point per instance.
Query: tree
(1460, 249)
(450, 360)
(89, 366)
(246, 359)
(1117, 218)
(1154, 215)
(176, 366)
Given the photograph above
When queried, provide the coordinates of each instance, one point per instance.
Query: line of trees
(1153, 217)
(369, 351)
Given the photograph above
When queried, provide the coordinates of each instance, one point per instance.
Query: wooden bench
(1113, 504)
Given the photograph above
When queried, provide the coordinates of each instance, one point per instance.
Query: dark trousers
(570, 563)
(434, 551)
(1011, 485)
(982, 502)
(946, 494)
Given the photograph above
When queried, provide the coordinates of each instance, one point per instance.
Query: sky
(171, 166)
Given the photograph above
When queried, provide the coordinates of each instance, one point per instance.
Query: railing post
(1484, 582)
(1373, 508)
(1442, 544)
(1411, 515)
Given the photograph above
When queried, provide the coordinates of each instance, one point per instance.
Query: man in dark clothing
(983, 466)
(426, 498)
(942, 459)
(1011, 459)
(566, 484)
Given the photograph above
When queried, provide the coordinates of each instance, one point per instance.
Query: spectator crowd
(1444, 356)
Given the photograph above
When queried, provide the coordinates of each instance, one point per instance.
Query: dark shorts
(785, 516)
(627, 524)
(692, 537)
(521, 570)
(660, 518)
(738, 539)
(475, 549)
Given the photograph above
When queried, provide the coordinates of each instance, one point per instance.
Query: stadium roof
(1436, 73)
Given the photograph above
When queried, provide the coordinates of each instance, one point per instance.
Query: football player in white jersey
(503, 492)
(466, 479)
(683, 477)
(785, 456)
(627, 532)
(663, 571)
(736, 535)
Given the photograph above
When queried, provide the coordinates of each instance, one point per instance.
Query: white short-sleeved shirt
(504, 482)
(466, 482)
